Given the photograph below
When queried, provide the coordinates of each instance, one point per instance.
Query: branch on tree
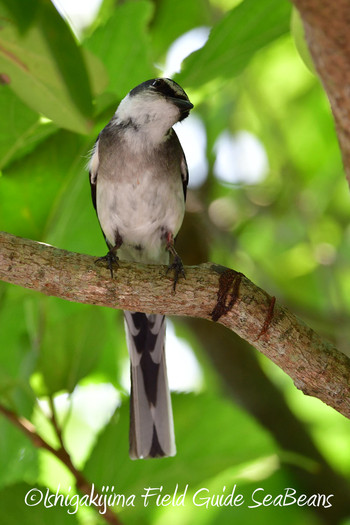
(82, 484)
(209, 291)
(326, 25)
(246, 383)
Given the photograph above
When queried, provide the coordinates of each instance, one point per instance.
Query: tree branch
(326, 25)
(82, 484)
(54, 421)
(210, 292)
(247, 384)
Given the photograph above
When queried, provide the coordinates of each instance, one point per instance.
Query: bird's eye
(157, 83)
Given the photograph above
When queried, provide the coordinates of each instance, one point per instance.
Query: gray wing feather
(93, 171)
(183, 163)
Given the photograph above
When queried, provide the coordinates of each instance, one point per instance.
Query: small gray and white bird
(138, 177)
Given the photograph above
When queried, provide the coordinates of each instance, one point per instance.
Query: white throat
(147, 119)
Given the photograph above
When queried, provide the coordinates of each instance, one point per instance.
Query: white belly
(141, 209)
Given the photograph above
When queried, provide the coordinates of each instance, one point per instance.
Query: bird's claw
(111, 259)
(178, 268)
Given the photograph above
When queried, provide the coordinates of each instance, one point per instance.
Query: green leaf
(298, 32)
(18, 457)
(211, 436)
(18, 355)
(46, 196)
(14, 510)
(198, 510)
(97, 72)
(72, 338)
(235, 39)
(23, 13)
(22, 129)
(124, 46)
(46, 69)
(170, 23)
(31, 188)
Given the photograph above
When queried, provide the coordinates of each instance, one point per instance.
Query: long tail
(151, 416)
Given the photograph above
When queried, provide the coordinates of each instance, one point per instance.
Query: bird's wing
(93, 171)
(183, 164)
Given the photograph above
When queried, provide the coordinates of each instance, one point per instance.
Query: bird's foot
(111, 259)
(178, 268)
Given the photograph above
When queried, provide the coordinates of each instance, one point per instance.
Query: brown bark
(326, 24)
(209, 291)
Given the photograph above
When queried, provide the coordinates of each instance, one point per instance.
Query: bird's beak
(183, 105)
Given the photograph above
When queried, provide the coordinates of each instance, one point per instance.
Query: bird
(139, 176)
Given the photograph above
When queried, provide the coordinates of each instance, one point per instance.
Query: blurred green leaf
(30, 189)
(23, 13)
(71, 343)
(216, 439)
(298, 33)
(235, 39)
(22, 130)
(46, 70)
(18, 350)
(97, 72)
(18, 456)
(169, 23)
(13, 509)
(273, 482)
(124, 46)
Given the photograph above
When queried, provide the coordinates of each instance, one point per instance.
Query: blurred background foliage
(267, 197)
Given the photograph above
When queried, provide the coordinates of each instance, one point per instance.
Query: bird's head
(155, 105)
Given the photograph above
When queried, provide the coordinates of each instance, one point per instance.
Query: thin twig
(54, 420)
(82, 484)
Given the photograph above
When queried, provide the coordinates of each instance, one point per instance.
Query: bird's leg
(176, 265)
(111, 257)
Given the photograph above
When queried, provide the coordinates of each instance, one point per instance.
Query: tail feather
(151, 418)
